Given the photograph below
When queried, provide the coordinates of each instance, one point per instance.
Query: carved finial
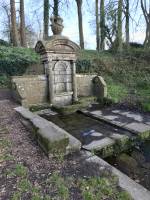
(56, 25)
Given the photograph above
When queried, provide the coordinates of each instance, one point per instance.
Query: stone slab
(115, 118)
(46, 112)
(56, 136)
(138, 127)
(99, 144)
(132, 121)
(140, 117)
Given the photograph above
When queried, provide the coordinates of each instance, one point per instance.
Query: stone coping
(51, 138)
(29, 76)
(131, 127)
(137, 191)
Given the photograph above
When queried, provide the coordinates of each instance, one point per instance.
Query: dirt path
(5, 94)
(27, 174)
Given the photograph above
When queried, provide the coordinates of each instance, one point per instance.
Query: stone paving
(138, 122)
(134, 122)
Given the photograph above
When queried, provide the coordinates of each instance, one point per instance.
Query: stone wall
(29, 90)
(85, 85)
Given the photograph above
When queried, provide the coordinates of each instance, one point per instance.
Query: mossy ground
(127, 75)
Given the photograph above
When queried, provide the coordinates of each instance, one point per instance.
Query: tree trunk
(13, 23)
(119, 28)
(102, 25)
(146, 12)
(22, 25)
(127, 24)
(97, 26)
(79, 7)
(46, 19)
(56, 3)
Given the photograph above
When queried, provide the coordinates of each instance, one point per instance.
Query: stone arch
(62, 76)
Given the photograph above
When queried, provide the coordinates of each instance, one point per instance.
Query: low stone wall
(29, 90)
(85, 85)
(52, 139)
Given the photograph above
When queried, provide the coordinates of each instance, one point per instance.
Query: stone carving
(58, 54)
(57, 25)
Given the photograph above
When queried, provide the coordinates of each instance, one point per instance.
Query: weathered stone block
(29, 90)
(51, 138)
(100, 87)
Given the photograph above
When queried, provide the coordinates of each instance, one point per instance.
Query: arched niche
(62, 77)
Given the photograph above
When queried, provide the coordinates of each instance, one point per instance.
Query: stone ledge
(137, 191)
(50, 137)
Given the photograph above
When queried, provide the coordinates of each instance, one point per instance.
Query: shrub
(14, 61)
(4, 43)
(83, 66)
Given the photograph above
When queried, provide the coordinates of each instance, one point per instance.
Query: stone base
(63, 99)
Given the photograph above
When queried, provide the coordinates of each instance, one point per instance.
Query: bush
(4, 81)
(14, 61)
(83, 66)
(4, 43)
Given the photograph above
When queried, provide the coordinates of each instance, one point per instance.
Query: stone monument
(58, 54)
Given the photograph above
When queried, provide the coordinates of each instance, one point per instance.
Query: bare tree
(127, 16)
(13, 23)
(55, 9)
(97, 26)
(46, 18)
(22, 25)
(145, 5)
(102, 25)
(81, 36)
(7, 24)
(119, 28)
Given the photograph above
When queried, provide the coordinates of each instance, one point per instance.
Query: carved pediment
(57, 45)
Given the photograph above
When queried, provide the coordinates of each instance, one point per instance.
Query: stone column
(51, 82)
(74, 83)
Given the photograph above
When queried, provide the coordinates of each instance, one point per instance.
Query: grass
(127, 76)
(59, 187)
(101, 188)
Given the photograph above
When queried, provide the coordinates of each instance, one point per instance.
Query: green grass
(127, 75)
(20, 170)
(101, 188)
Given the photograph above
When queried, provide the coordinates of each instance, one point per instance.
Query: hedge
(14, 61)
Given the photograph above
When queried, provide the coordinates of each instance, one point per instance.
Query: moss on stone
(55, 147)
(106, 151)
(122, 144)
(144, 136)
(83, 102)
(39, 107)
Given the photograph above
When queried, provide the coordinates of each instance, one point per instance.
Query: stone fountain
(58, 54)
